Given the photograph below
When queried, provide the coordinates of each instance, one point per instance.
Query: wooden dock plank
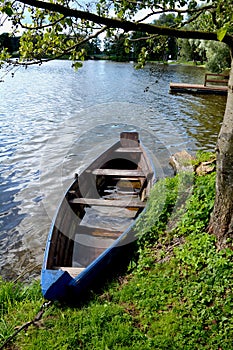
(198, 88)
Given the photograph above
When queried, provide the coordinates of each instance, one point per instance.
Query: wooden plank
(104, 221)
(223, 78)
(217, 74)
(108, 203)
(89, 241)
(98, 231)
(128, 150)
(124, 179)
(119, 172)
(216, 81)
(129, 138)
(112, 212)
(118, 197)
(197, 88)
(73, 271)
(122, 193)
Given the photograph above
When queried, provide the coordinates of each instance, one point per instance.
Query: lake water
(54, 121)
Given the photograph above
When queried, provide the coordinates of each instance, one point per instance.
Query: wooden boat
(92, 232)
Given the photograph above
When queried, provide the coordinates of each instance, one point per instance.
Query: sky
(6, 27)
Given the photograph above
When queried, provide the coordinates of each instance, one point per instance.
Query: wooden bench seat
(108, 203)
(128, 150)
(119, 172)
(73, 271)
(122, 193)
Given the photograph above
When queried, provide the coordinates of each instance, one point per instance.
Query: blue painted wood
(54, 284)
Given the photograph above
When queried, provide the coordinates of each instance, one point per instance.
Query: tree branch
(64, 52)
(41, 26)
(126, 25)
(161, 9)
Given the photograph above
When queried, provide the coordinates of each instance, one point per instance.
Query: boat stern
(54, 284)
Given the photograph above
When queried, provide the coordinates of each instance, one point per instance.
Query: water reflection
(206, 113)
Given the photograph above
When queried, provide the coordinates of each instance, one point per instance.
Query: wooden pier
(206, 88)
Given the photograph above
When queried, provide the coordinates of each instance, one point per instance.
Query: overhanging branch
(64, 52)
(126, 25)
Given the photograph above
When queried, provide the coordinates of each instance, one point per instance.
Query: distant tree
(185, 50)
(171, 47)
(116, 48)
(91, 48)
(95, 46)
(9, 42)
(218, 56)
(138, 42)
(157, 47)
(192, 50)
(215, 54)
(107, 45)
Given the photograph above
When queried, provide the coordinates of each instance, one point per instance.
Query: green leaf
(77, 65)
(222, 32)
(7, 10)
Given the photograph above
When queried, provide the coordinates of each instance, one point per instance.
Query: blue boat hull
(87, 244)
(59, 285)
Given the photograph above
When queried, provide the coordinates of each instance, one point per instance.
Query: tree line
(216, 55)
(12, 45)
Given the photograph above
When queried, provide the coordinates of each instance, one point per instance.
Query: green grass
(177, 295)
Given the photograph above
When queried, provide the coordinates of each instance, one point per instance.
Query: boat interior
(100, 205)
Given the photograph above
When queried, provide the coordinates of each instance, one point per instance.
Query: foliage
(137, 45)
(166, 207)
(154, 221)
(155, 48)
(203, 157)
(9, 43)
(56, 28)
(15, 296)
(199, 206)
(116, 48)
(218, 56)
(192, 50)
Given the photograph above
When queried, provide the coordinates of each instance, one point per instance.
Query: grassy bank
(177, 295)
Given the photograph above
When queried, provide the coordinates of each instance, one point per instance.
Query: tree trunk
(221, 222)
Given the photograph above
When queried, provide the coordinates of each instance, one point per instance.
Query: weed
(203, 157)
